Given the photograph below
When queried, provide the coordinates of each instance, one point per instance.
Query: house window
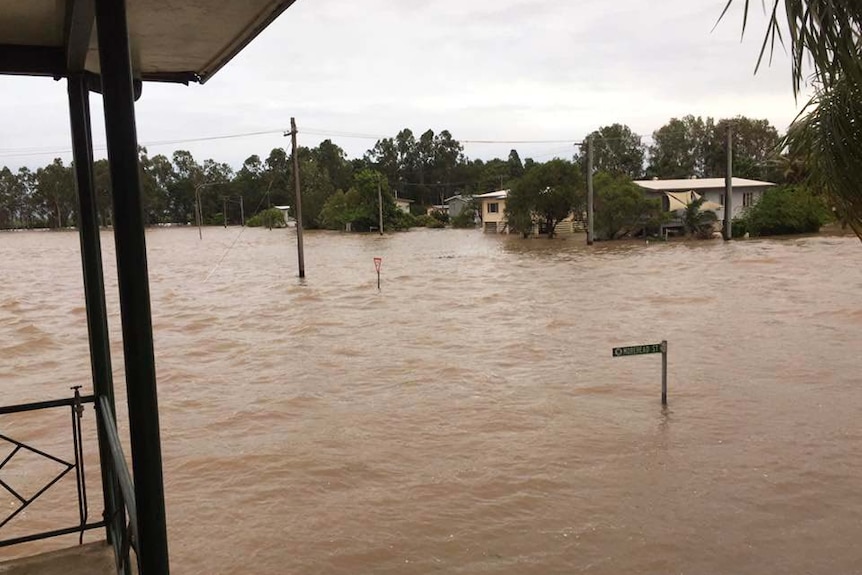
(720, 199)
(493, 208)
(747, 199)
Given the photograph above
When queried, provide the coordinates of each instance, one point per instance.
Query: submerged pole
(379, 205)
(728, 187)
(133, 284)
(590, 191)
(94, 281)
(299, 249)
(664, 372)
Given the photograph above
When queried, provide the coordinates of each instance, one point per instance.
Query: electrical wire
(25, 152)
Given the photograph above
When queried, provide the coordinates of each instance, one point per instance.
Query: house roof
(697, 184)
(404, 200)
(170, 41)
(456, 197)
(498, 195)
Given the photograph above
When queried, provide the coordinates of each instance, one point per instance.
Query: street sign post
(377, 263)
(644, 350)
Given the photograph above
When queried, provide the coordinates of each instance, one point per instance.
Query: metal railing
(120, 516)
(76, 407)
(123, 521)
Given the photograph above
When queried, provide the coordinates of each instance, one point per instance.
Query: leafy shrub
(785, 210)
(466, 219)
(403, 221)
(440, 216)
(426, 221)
(271, 218)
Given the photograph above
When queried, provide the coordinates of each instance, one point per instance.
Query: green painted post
(664, 372)
(133, 284)
(94, 281)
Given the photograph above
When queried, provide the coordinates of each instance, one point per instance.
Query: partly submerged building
(492, 210)
(676, 194)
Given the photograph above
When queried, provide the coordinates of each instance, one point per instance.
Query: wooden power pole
(590, 213)
(379, 205)
(299, 250)
(728, 187)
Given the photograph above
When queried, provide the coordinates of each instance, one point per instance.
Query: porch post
(118, 95)
(94, 283)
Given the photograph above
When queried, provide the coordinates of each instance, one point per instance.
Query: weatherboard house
(403, 204)
(456, 204)
(493, 211)
(676, 194)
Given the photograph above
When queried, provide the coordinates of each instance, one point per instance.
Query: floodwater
(469, 417)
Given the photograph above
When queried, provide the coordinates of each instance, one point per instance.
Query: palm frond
(828, 134)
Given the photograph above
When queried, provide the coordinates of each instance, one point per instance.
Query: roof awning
(680, 200)
(171, 41)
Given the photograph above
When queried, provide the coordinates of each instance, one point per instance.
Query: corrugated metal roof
(498, 195)
(697, 184)
(170, 41)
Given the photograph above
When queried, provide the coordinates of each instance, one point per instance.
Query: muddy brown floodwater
(469, 417)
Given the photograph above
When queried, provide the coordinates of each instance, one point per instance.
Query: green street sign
(638, 349)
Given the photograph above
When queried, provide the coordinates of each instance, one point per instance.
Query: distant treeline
(426, 169)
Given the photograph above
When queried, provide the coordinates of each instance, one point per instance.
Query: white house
(746, 193)
(493, 211)
(285, 211)
(403, 204)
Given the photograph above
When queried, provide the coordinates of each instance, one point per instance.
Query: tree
(621, 207)
(14, 192)
(102, 185)
(617, 150)
(755, 145)
(277, 175)
(516, 168)
(156, 174)
(359, 205)
(698, 222)
(547, 193)
(384, 156)
(54, 195)
(340, 209)
(679, 148)
(332, 160)
(828, 35)
(316, 189)
(8, 189)
(448, 153)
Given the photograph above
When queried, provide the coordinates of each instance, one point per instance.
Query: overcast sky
(483, 69)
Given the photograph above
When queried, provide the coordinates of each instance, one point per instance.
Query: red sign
(377, 263)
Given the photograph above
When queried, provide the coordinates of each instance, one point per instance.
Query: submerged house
(492, 210)
(678, 193)
(403, 204)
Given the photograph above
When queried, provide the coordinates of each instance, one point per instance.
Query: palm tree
(828, 132)
(697, 222)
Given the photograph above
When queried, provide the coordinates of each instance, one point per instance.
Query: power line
(25, 152)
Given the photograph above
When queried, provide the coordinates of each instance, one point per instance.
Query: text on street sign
(637, 349)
